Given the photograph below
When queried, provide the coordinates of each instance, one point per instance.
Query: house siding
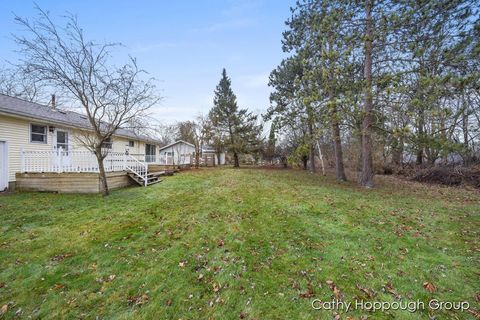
(16, 132)
(178, 150)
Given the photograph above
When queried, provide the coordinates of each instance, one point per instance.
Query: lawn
(239, 244)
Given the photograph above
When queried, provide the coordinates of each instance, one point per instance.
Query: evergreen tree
(237, 129)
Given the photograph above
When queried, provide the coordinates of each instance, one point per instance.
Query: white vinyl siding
(16, 132)
(181, 152)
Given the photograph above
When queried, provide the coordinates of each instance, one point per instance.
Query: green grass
(231, 244)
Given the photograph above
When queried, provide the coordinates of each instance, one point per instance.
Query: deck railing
(74, 161)
(85, 161)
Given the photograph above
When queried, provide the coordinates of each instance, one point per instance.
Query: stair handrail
(144, 177)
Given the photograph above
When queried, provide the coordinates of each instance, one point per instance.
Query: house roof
(23, 108)
(174, 143)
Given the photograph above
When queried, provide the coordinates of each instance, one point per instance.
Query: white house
(178, 153)
(181, 152)
(35, 138)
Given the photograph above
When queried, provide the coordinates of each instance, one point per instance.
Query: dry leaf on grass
(137, 300)
(390, 289)
(216, 287)
(309, 293)
(368, 292)
(182, 264)
(336, 291)
(474, 313)
(430, 287)
(4, 309)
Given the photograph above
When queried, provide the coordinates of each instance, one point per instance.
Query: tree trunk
(366, 177)
(467, 156)
(337, 147)
(397, 153)
(320, 154)
(312, 140)
(102, 175)
(305, 162)
(218, 157)
(197, 157)
(236, 162)
(421, 124)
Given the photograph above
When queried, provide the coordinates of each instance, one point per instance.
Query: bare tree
(164, 133)
(111, 97)
(20, 84)
(195, 132)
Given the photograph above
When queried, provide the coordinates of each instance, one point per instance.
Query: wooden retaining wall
(161, 167)
(71, 182)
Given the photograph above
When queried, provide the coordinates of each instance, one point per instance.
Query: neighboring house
(178, 153)
(181, 152)
(219, 159)
(35, 138)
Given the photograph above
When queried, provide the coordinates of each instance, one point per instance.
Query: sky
(183, 44)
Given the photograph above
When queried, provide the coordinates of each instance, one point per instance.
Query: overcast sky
(183, 44)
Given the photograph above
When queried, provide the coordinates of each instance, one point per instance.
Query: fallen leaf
(430, 287)
(309, 292)
(368, 292)
(336, 291)
(4, 309)
(138, 300)
(221, 243)
(58, 286)
(474, 312)
(390, 289)
(169, 302)
(243, 315)
(216, 287)
(182, 264)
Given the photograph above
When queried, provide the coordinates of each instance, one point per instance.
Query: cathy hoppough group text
(411, 306)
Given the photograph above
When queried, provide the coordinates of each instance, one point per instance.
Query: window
(62, 140)
(38, 133)
(107, 144)
(131, 143)
(150, 152)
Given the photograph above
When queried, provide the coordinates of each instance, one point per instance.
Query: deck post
(22, 160)
(146, 174)
(60, 159)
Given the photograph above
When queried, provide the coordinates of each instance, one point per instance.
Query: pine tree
(237, 128)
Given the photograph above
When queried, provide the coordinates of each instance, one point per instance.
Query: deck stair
(152, 178)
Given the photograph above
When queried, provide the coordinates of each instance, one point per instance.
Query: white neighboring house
(181, 153)
(42, 139)
(178, 153)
